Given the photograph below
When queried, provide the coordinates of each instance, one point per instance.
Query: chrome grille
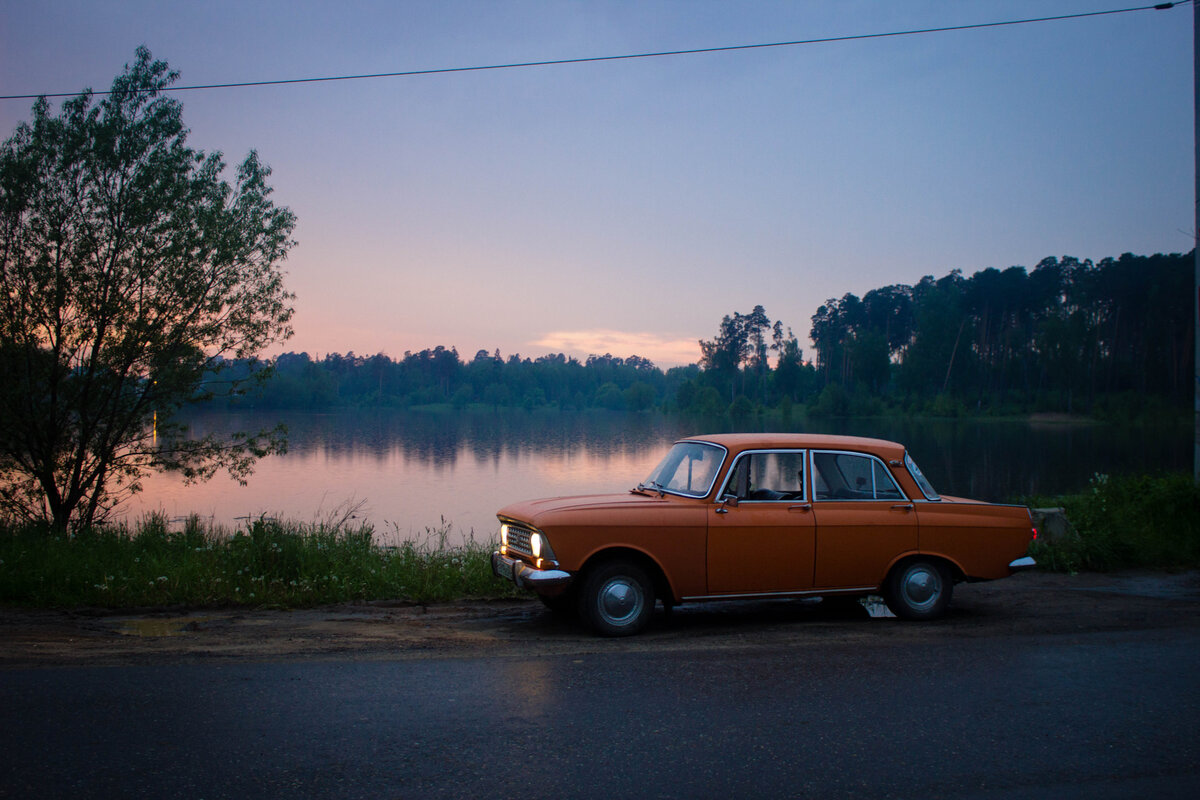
(518, 540)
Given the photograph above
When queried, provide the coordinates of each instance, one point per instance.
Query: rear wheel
(617, 599)
(919, 590)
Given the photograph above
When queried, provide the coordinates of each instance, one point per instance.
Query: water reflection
(411, 469)
(441, 438)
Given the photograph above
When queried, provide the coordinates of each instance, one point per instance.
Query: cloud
(663, 351)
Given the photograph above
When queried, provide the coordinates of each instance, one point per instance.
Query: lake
(407, 471)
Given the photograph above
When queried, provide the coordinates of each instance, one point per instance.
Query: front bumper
(543, 581)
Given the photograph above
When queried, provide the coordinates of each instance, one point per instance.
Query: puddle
(174, 626)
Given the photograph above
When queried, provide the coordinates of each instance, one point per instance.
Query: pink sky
(625, 207)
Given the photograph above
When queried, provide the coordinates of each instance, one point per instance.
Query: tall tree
(132, 273)
(833, 327)
(939, 329)
(757, 325)
(723, 356)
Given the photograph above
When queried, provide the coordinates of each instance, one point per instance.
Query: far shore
(1058, 418)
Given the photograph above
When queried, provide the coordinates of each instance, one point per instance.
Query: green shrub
(1121, 522)
(741, 408)
(832, 402)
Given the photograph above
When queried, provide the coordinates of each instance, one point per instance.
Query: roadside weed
(266, 563)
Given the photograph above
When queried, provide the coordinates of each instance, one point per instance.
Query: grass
(1126, 522)
(269, 563)
(1119, 523)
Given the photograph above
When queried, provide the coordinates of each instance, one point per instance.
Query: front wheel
(919, 590)
(617, 599)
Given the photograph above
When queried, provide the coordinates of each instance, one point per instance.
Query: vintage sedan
(760, 515)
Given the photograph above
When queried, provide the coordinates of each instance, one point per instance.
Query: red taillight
(1034, 534)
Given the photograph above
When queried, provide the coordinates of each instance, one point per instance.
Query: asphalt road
(1095, 713)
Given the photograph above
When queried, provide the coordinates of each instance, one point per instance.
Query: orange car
(760, 515)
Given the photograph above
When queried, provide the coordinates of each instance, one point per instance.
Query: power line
(631, 56)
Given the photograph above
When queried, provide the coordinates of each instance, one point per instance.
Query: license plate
(503, 569)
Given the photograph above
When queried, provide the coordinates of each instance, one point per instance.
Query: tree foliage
(1069, 336)
(739, 352)
(1111, 338)
(132, 272)
(439, 376)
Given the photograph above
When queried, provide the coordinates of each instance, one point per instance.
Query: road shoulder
(1026, 604)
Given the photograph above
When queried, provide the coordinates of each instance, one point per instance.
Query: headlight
(504, 539)
(539, 545)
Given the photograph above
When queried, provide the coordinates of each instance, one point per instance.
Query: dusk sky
(626, 206)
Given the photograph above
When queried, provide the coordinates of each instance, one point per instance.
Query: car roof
(736, 442)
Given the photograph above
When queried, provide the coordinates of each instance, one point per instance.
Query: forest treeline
(1111, 339)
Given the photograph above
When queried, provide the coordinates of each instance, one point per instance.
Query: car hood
(539, 512)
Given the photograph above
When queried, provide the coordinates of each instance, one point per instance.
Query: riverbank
(1121, 522)
(1026, 604)
(269, 563)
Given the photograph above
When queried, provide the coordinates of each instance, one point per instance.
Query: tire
(617, 599)
(561, 605)
(919, 590)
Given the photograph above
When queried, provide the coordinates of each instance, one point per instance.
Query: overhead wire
(632, 56)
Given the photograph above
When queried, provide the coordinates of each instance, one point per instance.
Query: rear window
(852, 476)
(922, 482)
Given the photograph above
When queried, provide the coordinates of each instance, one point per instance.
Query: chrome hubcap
(922, 587)
(620, 600)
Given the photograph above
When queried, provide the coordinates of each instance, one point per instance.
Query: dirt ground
(1026, 604)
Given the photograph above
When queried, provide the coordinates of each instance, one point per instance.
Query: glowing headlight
(504, 539)
(540, 547)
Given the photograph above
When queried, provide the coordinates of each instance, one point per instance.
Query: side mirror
(729, 500)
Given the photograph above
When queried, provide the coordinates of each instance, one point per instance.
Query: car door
(863, 520)
(761, 532)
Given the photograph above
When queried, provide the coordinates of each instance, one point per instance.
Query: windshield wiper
(654, 486)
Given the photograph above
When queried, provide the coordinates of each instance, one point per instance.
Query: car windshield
(922, 482)
(689, 468)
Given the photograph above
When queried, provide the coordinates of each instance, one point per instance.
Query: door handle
(801, 507)
(902, 507)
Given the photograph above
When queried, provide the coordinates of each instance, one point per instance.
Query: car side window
(766, 477)
(885, 484)
(849, 476)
